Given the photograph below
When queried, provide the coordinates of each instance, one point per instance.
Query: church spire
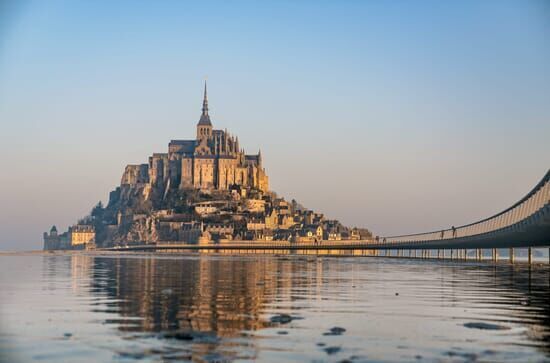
(205, 118)
(205, 101)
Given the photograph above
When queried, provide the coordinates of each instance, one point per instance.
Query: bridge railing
(534, 201)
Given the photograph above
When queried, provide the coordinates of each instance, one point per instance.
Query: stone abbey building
(213, 161)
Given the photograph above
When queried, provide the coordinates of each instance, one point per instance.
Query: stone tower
(204, 127)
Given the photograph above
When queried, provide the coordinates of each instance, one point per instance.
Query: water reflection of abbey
(223, 296)
(226, 296)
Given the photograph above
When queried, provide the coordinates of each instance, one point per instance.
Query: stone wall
(135, 174)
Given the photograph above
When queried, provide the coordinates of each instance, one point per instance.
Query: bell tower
(204, 127)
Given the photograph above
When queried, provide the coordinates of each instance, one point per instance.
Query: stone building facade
(78, 236)
(82, 234)
(212, 161)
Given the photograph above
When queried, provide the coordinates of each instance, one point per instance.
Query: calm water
(85, 308)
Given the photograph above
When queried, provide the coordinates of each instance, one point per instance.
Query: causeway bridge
(526, 224)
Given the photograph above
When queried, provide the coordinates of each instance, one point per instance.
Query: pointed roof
(205, 118)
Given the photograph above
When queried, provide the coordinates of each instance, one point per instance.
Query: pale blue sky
(399, 116)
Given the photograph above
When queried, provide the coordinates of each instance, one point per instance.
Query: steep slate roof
(183, 146)
(252, 158)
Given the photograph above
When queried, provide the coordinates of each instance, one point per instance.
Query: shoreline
(540, 262)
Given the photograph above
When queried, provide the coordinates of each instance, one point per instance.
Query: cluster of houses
(234, 216)
(259, 217)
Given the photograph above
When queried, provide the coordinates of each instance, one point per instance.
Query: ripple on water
(223, 308)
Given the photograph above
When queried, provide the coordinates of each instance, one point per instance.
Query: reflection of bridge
(525, 224)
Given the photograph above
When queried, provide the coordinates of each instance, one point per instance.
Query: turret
(204, 127)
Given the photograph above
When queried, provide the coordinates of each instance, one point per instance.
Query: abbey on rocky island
(205, 190)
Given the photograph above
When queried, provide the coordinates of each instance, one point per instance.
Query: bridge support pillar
(511, 255)
(529, 255)
(452, 254)
(478, 254)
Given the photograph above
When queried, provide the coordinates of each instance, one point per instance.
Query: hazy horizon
(399, 117)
